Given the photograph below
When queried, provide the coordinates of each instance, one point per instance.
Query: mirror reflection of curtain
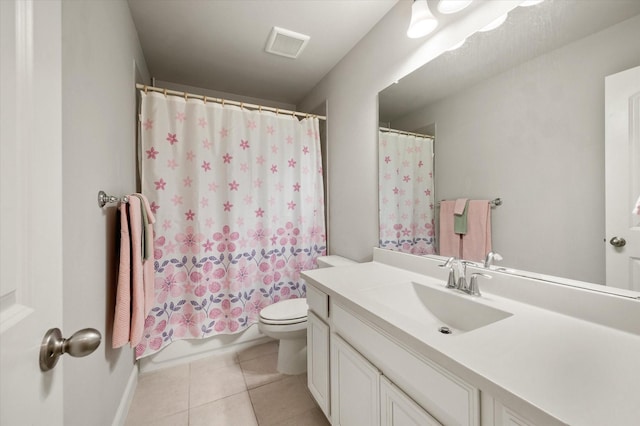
(406, 193)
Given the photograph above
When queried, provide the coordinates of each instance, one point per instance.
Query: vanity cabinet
(355, 397)
(359, 375)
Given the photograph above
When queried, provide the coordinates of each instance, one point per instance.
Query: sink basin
(444, 307)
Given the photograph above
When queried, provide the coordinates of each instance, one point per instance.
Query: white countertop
(537, 362)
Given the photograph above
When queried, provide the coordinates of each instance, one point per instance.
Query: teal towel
(460, 221)
(146, 249)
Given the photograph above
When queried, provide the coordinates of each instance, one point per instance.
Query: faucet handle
(473, 289)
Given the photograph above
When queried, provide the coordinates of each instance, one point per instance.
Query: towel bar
(493, 203)
(104, 199)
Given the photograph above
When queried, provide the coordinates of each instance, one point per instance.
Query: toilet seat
(285, 312)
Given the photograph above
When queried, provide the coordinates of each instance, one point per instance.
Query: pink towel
(122, 316)
(137, 274)
(449, 240)
(459, 206)
(476, 243)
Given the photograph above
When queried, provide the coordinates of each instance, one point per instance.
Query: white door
(622, 176)
(30, 208)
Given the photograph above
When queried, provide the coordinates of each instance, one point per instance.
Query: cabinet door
(318, 361)
(506, 417)
(355, 387)
(397, 409)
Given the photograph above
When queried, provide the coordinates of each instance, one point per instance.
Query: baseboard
(127, 396)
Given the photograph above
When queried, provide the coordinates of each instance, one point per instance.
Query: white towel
(636, 208)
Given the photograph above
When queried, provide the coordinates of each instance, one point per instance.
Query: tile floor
(236, 389)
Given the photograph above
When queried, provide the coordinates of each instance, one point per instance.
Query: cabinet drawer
(318, 302)
(445, 396)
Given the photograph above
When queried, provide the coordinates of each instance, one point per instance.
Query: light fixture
(457, 45)
(495, 24)
(422, 20)
(452, 6)
(530, 3)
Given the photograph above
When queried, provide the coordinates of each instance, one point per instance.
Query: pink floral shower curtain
(406, 193)
(239, 209)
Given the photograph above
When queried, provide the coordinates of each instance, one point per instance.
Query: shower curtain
(239, 208)
(406, 193)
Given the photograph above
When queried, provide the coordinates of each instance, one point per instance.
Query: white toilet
(287, 321)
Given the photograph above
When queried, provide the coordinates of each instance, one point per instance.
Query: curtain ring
(277, 111)
(204, 100)
(241, 105)
(165, 93)
(146, 89)
(307, 116)
(186, 96)
(223, 101)
(259, 108)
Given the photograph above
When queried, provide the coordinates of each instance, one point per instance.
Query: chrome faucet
(457, 273)
(491, 256)
(458, 276)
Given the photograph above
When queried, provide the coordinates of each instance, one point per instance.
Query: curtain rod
(402, 132)
(221, 101)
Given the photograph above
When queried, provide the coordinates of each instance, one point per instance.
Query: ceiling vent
(286, 43)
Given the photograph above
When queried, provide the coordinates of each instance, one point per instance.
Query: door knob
(80, 344)
(618, 242)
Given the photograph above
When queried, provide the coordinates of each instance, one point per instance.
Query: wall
(99, 51)
(224, 95)
(540, 147)
(350, 90)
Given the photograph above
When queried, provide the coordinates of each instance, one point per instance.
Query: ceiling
(528, 32)
(219, 44)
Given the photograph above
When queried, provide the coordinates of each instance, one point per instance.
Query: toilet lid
(285, 311)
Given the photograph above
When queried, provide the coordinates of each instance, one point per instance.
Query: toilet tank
(329, 261)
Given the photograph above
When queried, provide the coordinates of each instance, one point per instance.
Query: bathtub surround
(238, 199)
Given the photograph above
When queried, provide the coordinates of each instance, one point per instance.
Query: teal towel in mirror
(460, 220)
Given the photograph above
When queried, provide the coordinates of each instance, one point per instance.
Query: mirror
(518, 114)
